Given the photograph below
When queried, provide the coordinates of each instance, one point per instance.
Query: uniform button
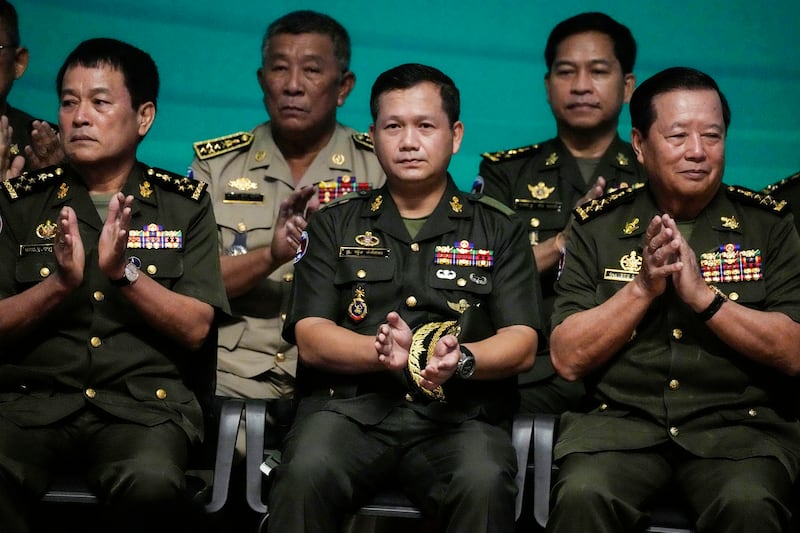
(674, 384)
(752, 412)
(90, 393)
(283, 316)
(99, 296)
(288, 277)
(152, 269)
(535, 222)
(461, 282)
(280, 357)
(161, 394)
(415, 247)
(44, 272)
(361, 274)
(677, 334)
(411, 301)
(95, 342)
(23, 388)
(603, 406)
(331, 392)
(674, 431)
(409, 398)
(241, 227)
(733, 296)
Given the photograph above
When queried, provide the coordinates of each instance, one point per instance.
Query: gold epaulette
(182, 185)
(31, 182)
(222, 145)
(758, 199)
(512, 153)
(591, 209)
(775, 187)
(363, 141)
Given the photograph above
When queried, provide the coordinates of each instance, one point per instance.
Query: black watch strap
(715, 305)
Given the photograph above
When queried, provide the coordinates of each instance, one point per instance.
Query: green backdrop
(208, 52)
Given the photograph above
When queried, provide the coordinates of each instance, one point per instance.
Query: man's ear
(345, 87)
(636, 143)
(630, 84)
(146, 114)
(20, 62)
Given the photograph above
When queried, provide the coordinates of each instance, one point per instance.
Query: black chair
(389, 503)
(208, 478)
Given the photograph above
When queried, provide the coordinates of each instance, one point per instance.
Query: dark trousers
(461, 474)
(137, 471)
(610, 491)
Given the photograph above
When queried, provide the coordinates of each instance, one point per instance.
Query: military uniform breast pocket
(35, 266)
(161, 265)
(363, 270)
(460, 278)
(747, 293)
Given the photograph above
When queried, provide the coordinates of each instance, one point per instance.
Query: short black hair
(411, 74)
(624, 43)
(137, 67)
(643, 114)
(9, 17)
(307, 21)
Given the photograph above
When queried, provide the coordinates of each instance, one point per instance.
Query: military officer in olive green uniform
(251, 173)
(679, 305)
(590, 59)
(29, 143)
(428, 409)
(109, 287)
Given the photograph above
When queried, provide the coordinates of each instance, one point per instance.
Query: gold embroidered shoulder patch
(757, 199)
(222, 145)
(590, 210)
(511, 153)
(31, 182)
(182, 185)
(363, 141)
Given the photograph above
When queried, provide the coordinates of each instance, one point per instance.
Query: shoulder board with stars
(511, 153)
(222, 145)
(491, 202)
(758, 199)
(31, 182)
(363, 141)
(775, 187)
(586, 212)
(192, 189)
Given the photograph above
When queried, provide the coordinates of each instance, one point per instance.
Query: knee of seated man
(136, 483)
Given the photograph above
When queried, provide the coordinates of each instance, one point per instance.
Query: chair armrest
(255, 413)
(544, 426)
(229, 417)
(521, 431)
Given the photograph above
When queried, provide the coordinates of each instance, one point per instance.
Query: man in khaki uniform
(305, 76)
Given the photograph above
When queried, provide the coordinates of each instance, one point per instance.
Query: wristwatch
(466, 365)
(129, 277)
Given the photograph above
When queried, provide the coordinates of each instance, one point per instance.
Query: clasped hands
(393, 342)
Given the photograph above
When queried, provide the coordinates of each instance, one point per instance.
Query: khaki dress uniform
(675, 389)
(542, 182)
(354, 431)
(95, 355)
(248, 178)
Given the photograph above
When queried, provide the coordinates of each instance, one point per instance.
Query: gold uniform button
(409, 398)
(99, 296)
(535, 222)
(752, 412)
(280, 357)
(415, 247)
(44, 272)
(674, 431)
(461, 282)
(677, 334)
(152, 269)
(161, 394)
(90, 393)
(733, 296)
(331, 392)
(361, 274)
(288, 277)
(603, 406)
(411, 301)
(283, 316)
(674, 384)
(95, 342)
